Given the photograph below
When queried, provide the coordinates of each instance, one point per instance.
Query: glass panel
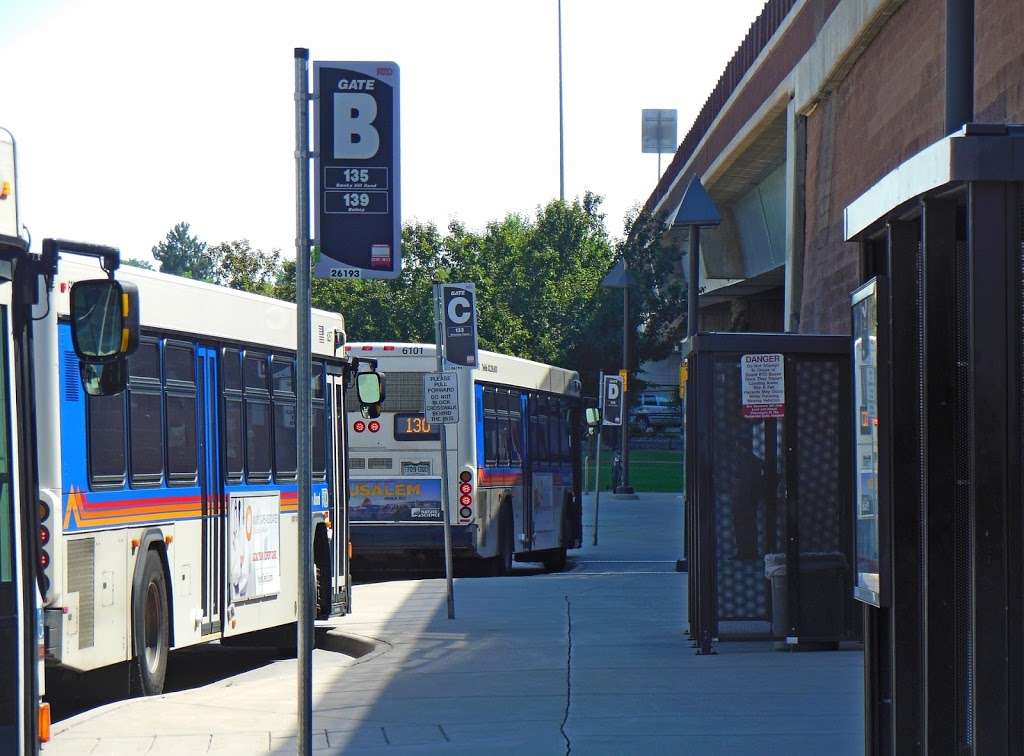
(145, 362)
(317, 377)
(179, 363)
(865, 381)
(319, 442)
(232, 370)
(283, 378)
(255, 371)
(257, 438)
(233, 438)
(7, 534)
(146, 437)
(182, 455)
(106, 439)
(285, 440)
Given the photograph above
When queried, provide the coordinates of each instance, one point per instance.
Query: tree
(538, 282)
(659, 301)
(182, 254)
(135, 262)
(240, 266)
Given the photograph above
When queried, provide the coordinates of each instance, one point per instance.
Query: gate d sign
(612, 395)
(358, 223)
(460, 347)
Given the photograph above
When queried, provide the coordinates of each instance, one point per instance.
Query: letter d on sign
(354, 134)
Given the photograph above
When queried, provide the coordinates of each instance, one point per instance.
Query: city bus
(514, 462)
(169, 509)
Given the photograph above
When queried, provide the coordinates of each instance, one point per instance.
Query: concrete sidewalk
(595, 658)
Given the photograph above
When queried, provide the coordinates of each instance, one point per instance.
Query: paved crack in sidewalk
(568, 676)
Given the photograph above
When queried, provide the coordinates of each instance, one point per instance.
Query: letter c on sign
(459, 310)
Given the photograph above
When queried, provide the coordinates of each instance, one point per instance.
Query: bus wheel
(150, 630)
(506, 542)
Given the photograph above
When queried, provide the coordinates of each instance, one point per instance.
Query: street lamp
(620, 278)
(695, 210)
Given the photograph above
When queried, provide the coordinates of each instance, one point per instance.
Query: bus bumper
(391, 539)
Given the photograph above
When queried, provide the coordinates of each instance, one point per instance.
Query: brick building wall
(999, 61)
(888, 108)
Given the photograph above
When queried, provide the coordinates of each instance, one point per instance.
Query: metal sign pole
(303, 420)
(597, 474)
(445, 504)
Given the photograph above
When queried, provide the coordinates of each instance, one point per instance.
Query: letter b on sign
(355, 138)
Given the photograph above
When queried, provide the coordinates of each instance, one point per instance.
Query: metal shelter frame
(944, 654)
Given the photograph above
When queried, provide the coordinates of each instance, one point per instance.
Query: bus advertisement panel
(395, 500)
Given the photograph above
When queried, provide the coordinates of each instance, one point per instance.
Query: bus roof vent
(380, 463)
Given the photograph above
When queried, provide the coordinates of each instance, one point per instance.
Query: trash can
(822, 598)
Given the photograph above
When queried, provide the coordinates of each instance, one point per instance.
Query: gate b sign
(358, 223)
(611, 399)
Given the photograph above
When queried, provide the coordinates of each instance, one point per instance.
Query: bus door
(530, 420)
(17, 668)
(338, 461)
(212, 491)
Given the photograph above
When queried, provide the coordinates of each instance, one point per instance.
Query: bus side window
(490, 427)
(563, 430)
(542, 430)
(319, 426)
(145, 426)
(285, 435)
(504, 442)
(515, 423)
(234, 454)
(180, 411)
(258, 444)
(107, 436)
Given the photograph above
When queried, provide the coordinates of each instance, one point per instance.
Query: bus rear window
(413, 426)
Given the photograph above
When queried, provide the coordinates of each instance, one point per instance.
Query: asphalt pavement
(594, 660)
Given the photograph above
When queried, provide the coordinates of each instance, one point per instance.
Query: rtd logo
(385, 71)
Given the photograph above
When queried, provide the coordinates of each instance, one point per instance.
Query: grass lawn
(649, 470)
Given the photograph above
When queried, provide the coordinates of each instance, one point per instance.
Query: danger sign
(763, 378)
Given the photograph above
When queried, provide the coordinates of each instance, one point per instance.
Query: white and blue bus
(170, 509)
(514, 459)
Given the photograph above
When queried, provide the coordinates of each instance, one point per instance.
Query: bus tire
(150, 628)
(506, 541)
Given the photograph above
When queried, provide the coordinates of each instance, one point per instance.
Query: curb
(359, 648)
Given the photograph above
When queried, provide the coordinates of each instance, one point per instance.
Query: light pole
(620, 278)
(561, 114)
(695, 210)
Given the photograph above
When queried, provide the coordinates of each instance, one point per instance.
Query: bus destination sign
(358, 223)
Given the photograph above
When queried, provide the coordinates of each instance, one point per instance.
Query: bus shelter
(768, 514)
(940, 569)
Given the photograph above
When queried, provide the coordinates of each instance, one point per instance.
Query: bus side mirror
(370, 390)
(104, 331)
(104, 378)
(104, 319)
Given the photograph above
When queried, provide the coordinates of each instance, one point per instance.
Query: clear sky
(131, 116)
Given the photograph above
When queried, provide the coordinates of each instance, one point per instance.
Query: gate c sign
(459, 324)
(611, 400)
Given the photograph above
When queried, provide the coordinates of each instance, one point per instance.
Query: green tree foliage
(658, 304)
(538, 282)
(182, 254)
(240, 266)
(137, 263)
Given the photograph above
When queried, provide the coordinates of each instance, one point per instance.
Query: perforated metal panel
(403, 392)
(82, 580)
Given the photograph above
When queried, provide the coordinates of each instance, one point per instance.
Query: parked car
(655, 409)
